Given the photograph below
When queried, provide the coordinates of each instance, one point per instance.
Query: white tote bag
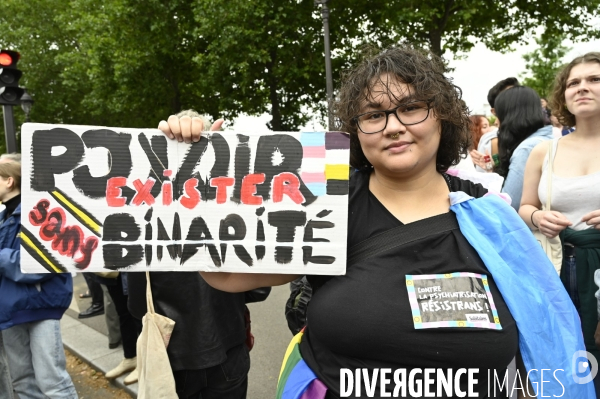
(155, 374)
(552, 246)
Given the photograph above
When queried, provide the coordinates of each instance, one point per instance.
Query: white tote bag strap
(149, 301)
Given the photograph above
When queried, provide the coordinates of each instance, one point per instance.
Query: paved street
(268, 326)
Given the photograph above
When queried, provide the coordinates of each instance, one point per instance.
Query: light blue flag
(550, 337)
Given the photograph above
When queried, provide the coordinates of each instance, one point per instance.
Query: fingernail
(171, 136)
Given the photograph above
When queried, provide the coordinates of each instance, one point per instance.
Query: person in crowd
(130, 327)
(209, 347)
(31, 306)
(95, 292)
(521, 128)
(479, 126)
(488, 144)
(111, 317)
(575, 203)
(101, 304)
(407, 125)
(6, 388)
(558, 129)
(546, 111)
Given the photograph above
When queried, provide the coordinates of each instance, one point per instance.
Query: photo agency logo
(431, 382)
(584, 366)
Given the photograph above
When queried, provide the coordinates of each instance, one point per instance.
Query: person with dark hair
(407, 126)
(521, 129)
(575, 201)
(498, 88)
(488, 144)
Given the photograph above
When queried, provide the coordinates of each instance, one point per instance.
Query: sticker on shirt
(452, 300)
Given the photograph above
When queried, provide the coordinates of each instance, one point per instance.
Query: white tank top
(574, 197)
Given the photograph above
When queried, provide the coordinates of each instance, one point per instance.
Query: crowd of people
(408, 126)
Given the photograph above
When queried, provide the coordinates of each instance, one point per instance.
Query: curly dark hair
(424, 73)
(557, 99)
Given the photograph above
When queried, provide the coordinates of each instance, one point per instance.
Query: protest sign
(452, 300)
(100, 198)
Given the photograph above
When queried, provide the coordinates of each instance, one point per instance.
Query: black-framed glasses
(408, 114)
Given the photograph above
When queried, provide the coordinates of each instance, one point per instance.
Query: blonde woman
(31, 306)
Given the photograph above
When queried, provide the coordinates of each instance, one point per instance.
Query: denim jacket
(24, 297)
(513, 184)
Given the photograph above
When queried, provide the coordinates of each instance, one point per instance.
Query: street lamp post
(325, 16)
(26, 104)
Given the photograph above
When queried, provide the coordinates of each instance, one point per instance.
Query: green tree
(457, 25)
(543, 64)
(29, 27)
(263, 56)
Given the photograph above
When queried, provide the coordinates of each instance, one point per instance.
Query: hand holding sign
(186, 128)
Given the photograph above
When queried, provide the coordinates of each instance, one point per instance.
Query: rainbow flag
(296, 379)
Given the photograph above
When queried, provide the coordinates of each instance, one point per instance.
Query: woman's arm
(549, 223)
(494, 143)
(477, 158)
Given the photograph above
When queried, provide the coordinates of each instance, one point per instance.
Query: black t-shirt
(208, 322)
(364, 318)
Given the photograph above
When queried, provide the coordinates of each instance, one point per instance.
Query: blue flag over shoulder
(550, 337)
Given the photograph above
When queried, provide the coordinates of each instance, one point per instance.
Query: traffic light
(10, 92)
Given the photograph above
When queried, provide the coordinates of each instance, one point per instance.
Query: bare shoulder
(538, 153)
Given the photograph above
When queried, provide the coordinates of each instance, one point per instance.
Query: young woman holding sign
(397, 313)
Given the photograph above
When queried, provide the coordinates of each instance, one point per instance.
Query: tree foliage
(262, 56)
(456, 25)
(133, 62)
(543, 64)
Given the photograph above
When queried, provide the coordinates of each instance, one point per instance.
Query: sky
(475, 75)
(483, 68)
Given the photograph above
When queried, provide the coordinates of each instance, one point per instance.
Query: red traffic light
(9, 58)
(5, 59)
